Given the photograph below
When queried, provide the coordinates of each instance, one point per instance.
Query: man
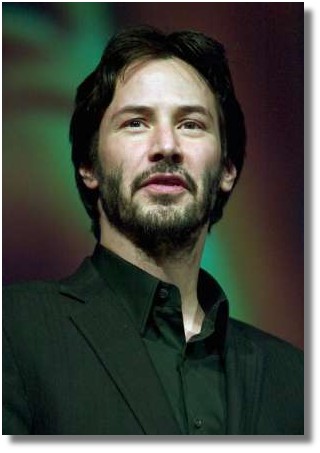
(138, 340)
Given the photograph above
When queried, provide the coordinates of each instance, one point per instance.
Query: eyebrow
(146, 110)
(136, 109)
(195, 109)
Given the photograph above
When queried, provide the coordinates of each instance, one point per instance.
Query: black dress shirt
(192, 373)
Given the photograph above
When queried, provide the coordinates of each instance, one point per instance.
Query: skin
(162, 110)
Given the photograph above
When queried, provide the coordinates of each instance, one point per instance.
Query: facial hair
(160, 228)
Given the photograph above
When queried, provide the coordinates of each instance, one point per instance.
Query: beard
(162, 226)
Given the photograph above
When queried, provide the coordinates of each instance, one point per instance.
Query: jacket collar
(109, 330)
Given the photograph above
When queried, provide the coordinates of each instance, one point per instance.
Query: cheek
(108, 153)
(203, 158)
(121, 151)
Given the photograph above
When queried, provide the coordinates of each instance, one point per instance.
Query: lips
(166, 179)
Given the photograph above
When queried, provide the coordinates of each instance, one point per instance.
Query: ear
(88, 178)
(228, 177)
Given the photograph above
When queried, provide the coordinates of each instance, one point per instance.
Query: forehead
(163, 80)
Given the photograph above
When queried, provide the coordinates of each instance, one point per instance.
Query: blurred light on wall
(256, 252)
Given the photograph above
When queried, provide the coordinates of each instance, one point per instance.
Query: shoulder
(271, 370)
(27, 301)
(28, 293)
(35, 293)
(43, 302)
(273, 348)
(36, 310)
(31, 288)
(28, 305)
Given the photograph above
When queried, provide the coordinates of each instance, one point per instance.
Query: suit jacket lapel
(117, 344)
(244, 372)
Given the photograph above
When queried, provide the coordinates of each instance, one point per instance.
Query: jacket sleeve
(16, 415)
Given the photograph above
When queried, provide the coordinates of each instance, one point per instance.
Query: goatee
(163, 227)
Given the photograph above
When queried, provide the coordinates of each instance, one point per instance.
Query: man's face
(159, 154)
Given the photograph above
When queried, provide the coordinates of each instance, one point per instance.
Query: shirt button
(198, 422)
(163, 293)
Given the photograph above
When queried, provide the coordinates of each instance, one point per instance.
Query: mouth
(165, 183)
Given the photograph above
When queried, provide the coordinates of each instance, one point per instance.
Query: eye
(134, 124)
(192, 125)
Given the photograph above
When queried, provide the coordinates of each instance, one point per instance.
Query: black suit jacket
(74, 363)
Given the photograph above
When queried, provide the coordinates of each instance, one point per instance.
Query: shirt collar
(137, 290)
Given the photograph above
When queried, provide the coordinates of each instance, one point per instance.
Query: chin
(163, 209)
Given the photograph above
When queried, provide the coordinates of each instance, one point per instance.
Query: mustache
(164, 167)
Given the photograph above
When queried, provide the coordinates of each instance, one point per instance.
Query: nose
(165, 145)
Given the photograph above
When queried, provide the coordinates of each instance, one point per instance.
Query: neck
(180, 269)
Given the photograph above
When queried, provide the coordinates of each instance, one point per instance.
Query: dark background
(256, 252)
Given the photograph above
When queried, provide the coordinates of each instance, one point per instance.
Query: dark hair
(96, 92)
